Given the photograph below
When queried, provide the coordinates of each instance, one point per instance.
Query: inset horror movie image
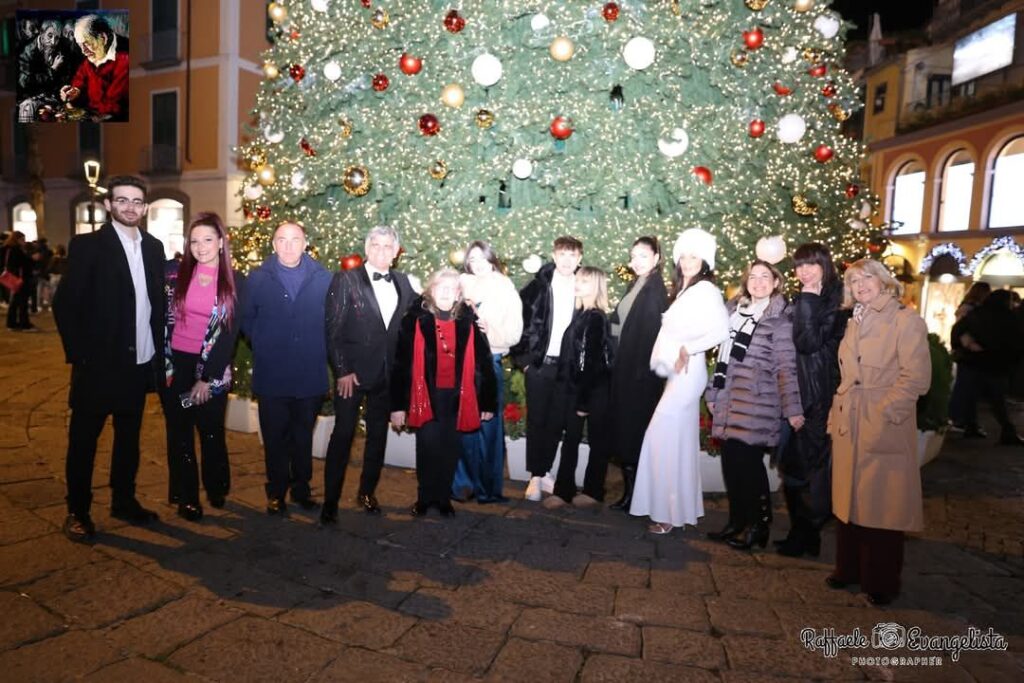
(72, 66)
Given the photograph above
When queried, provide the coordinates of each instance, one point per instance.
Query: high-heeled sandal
(659, 528)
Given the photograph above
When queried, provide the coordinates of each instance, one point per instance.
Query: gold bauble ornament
(803, 5)
(838, 112)
(453, 96)
(676, 8)
(356, 180)
(484, 118)
(266, 176)
(456, 257)
(624, 273)
(380, 18)
(812, 56)
(756, 5)
(277, 12)
(739, 58)
(562, 49)
(802, 207)
(438, 170)
(257, 159)
(270, 70)
(344, 127)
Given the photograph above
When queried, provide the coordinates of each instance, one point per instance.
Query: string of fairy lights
(517, 122)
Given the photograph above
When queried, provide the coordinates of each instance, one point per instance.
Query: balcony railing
(161, 160)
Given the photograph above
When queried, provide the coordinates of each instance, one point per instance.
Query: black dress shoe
(277, 506)
(836, 584)
(368, 502)
(329, 514)
(216, 500)
(79, 528)
(307, 503)
(879, 599)
(729, 531)
(418, 509)
(975, 433)
(446, 509)
(133, 513)
(190, 511)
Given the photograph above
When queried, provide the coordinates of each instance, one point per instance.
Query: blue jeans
(481, 468)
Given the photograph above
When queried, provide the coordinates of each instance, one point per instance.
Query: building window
(86, 221)
(880, 91)
(19, 147)
(939, 90)
(906, 199)
(166, 222)
(25, 220)
(165, 32)
(164, 152)
(956, 192)
(1006, 206)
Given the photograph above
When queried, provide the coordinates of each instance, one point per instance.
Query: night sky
(897, 15)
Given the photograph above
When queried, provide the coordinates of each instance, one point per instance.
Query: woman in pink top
(202, 299)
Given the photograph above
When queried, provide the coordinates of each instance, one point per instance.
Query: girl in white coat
(668, 486)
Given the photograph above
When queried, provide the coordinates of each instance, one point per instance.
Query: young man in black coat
(549, 304)
(109, 311)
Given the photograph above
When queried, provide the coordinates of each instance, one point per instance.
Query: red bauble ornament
(703, 173)
(294, 34)
(610, 11)
(409, 64)
(297, 72)
(829, 90)
(561, 127)
(756, 128)
(429, 125)
(818, 70)
(351, 262)
(307, 148)
(874, 248)
(823, 153)
(454, 22)
(380, 82)
(366, 4)
(781, 90)
(753, 39)
(852, 190)
(263, 212)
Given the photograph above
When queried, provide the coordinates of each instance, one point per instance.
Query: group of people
(38, 270)
(826, 382)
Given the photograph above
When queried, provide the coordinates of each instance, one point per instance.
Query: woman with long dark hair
(202, 325)
(806, 461)
(635, 388)
(17, 262)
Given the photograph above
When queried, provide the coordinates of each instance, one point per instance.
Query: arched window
(24, 219)
(906, 198)
(956, 192)
(1006, 206)
(86, 222)
(166, 223)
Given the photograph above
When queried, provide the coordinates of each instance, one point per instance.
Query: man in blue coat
(283, 317)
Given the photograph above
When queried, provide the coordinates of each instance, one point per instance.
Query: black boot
(628, 479)
(757, 533)
(803, 537)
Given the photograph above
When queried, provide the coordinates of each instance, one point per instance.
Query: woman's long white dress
(668, 486)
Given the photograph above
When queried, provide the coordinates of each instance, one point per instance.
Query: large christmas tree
(517, 121)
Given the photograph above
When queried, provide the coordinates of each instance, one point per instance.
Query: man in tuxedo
(364, 307)
(109, 311)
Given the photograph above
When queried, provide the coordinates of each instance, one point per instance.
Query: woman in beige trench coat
(876, 481)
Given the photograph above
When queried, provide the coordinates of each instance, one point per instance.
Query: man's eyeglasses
(124, 201)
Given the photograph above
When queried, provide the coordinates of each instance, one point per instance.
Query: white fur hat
(695, 242)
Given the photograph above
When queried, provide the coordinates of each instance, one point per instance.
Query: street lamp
(92, 176)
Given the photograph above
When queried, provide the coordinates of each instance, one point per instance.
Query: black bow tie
(386, 277)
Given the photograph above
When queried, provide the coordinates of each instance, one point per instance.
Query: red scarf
(420, 412)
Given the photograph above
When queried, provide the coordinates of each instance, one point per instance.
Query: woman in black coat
(18, 263)
(805, 463)
(635, 388)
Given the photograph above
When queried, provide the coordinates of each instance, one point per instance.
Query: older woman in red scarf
(442, 384)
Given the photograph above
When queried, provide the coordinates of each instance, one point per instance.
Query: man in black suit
(109, 311)
(364, 307)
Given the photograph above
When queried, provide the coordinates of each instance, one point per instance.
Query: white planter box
(322, 435)
(401, 449)
(928, 446)
(516, 450)
(242, 415)
(711, 474)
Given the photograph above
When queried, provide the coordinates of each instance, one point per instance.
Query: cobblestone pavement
(509, 592)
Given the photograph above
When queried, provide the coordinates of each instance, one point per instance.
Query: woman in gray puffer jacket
(753, 388)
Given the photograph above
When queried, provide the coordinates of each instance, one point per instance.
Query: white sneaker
(547, 483)
(533, 491)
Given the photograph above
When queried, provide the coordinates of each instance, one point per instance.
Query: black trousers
(545, 417)
(182, 423)
(599, 435)
(287, 427)
(87, 422)
(871, 557)
(746, 480)
(438, 448)
(339, 448)
(17, 313)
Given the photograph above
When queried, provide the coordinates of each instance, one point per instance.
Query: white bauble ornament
(676, 145)
(486, 69)
(539, 22)
(638, 53)
(273, 136)
(252, 192)
(522, 168)
(866, 209)
(771, 249)
(856, 224)
(332, 71)
(532, 263)
(319, 5)
(791, 128)
(561, 49)
(827, 25)
(299, 180)
(453, 95)
(790, 55)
